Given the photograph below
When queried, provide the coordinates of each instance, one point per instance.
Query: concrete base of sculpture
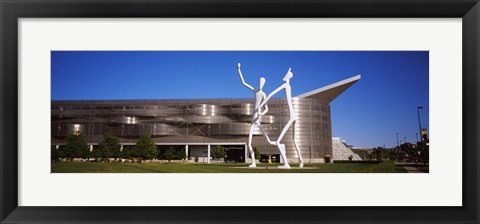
(251, 161)
(306, 161)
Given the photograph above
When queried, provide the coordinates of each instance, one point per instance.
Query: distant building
(342, 151)
(197, 125)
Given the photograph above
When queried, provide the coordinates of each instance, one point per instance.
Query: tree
(76, 147)
(129, 151)
(256, 152)
(378, 153)
(180, 154)
(172, 154)
(56, 154)
(218, 152)
(145, 148)
(101, 153)
(109, 147)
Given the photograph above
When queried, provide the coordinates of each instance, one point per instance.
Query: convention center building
(198, 125)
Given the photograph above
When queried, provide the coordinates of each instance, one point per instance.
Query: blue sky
(368, 114)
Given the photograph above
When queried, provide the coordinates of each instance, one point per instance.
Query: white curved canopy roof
(330, 92)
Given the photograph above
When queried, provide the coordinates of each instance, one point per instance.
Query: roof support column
(246, 155)
(208, 154)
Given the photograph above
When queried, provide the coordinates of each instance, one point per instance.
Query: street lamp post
(417, 136)
(419, 124)
(401, 149)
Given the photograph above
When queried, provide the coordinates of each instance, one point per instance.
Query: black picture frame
(11, 11)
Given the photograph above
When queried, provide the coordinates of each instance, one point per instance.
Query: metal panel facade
(195, 121)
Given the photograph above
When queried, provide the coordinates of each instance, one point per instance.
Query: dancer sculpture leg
(252, 154)
(300, 159)
(281, 147)
(266, 135)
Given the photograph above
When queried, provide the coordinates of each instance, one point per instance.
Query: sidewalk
(412, 169)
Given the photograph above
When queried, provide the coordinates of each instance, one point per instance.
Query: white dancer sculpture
(259, 98)
(292, 120)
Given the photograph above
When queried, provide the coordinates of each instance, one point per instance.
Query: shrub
(326, 158)
(256, 152)
(174, 154)
(55, 154)
(76, 147)
(145, 148)
(218, 152)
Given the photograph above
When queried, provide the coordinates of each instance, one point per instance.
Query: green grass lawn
(92, 167)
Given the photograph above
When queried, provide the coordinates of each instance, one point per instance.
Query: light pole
(401, 150)
(404, 140)
(419, 124)
(417, 136)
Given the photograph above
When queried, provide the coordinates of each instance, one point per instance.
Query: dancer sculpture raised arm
(259, 97)
(292, 120)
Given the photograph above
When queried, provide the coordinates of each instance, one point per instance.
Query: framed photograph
(250, 112)
(196, 128)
